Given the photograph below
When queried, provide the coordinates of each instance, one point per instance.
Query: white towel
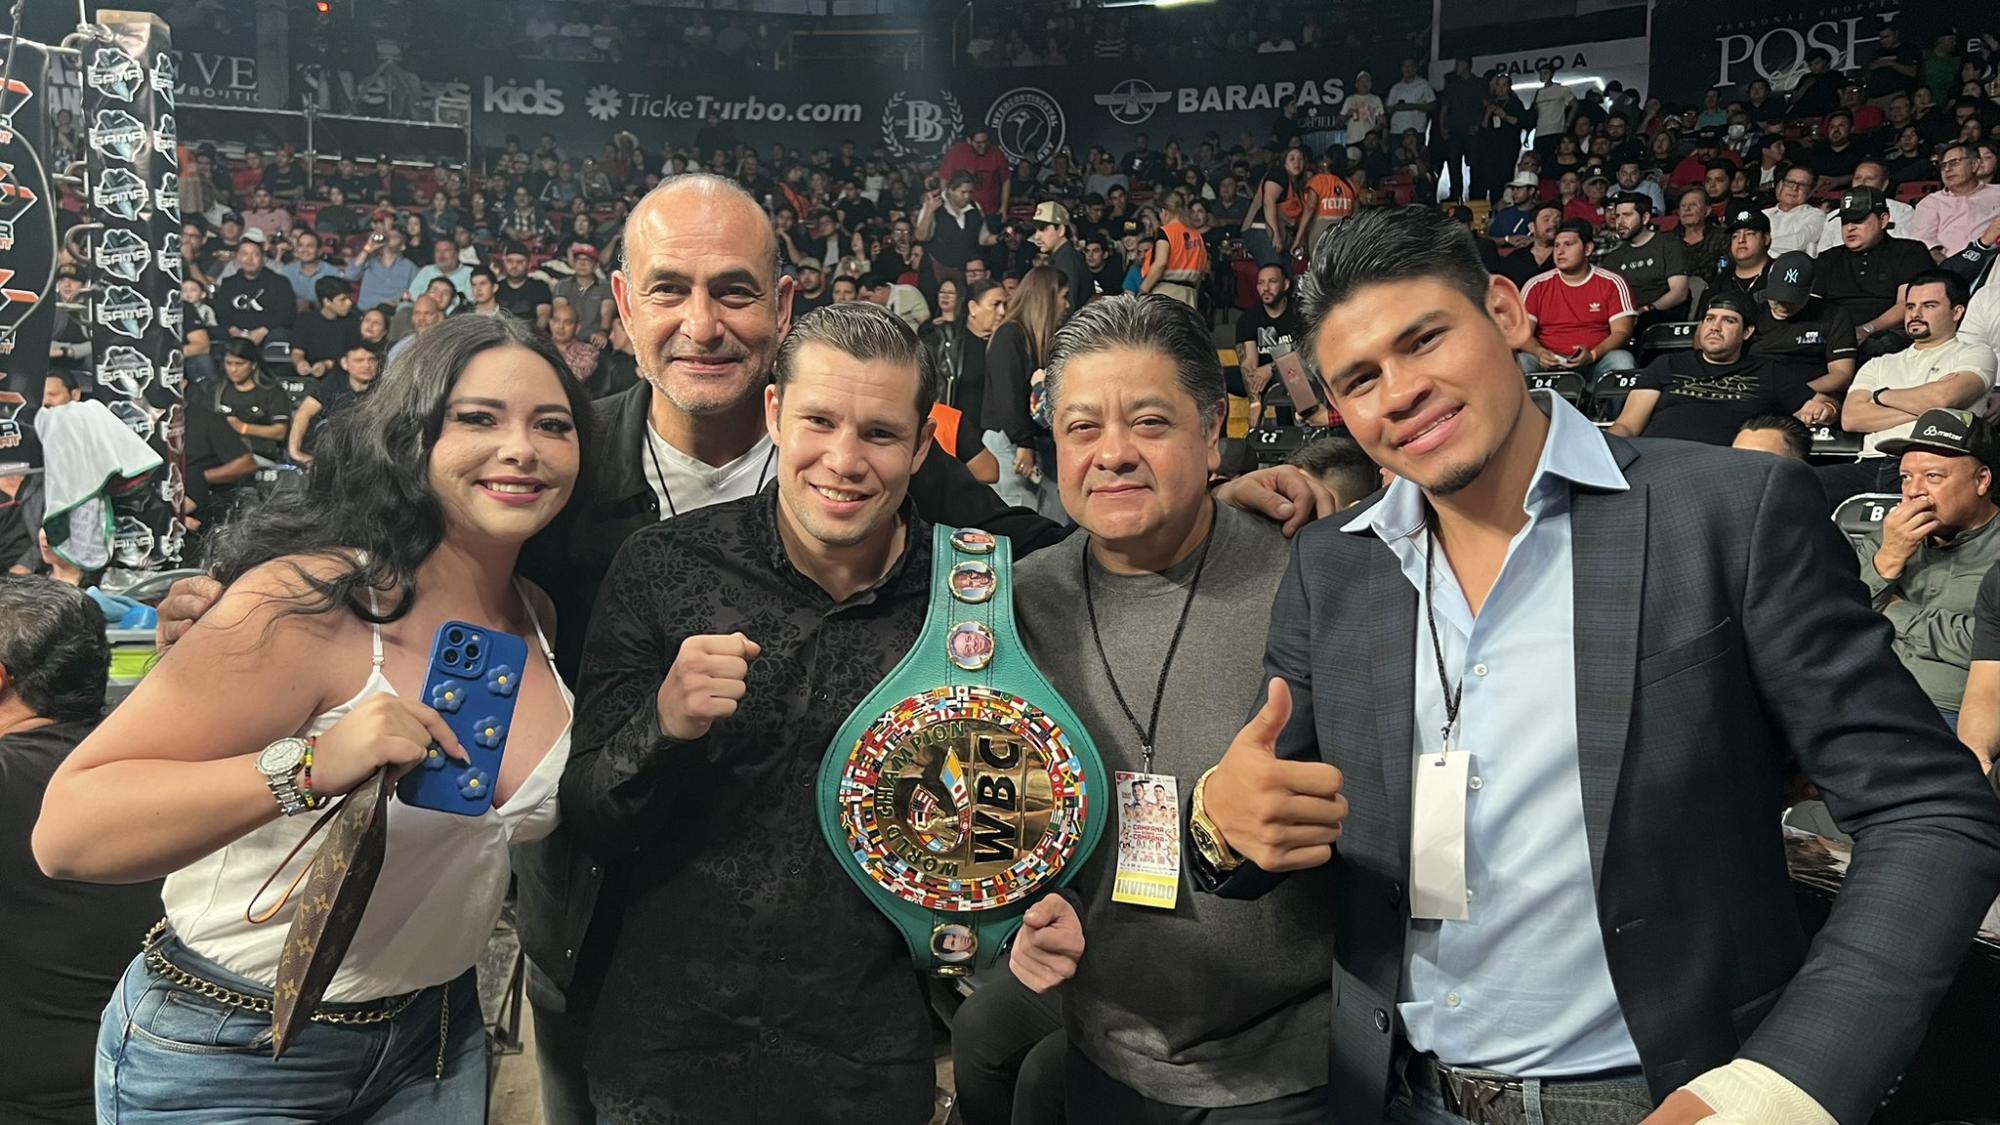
(84, 448)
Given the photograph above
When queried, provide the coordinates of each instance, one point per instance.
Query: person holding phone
(301, 683)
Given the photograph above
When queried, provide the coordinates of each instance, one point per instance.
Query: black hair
(484, 271)
(1721, 165)
(53, 647)
(1640, 201)
(367, 503)
(242, 349)
(329, 287)
(1798, 439)
(1581, 228)
(1548, 205)
(865, 331)
(1342, 463)
(1956, 291)
(1389, 244)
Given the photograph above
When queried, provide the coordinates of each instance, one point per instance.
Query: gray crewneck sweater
(1217, 1002)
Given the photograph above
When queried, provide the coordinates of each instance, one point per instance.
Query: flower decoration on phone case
(473, 784)
(500, 680)
(434, 757)
(447, 695)
(490, 733)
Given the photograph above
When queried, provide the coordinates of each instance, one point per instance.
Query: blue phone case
(473, 677)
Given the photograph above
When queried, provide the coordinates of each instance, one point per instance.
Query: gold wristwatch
(1207, 839)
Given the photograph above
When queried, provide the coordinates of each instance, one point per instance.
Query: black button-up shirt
(751, 980)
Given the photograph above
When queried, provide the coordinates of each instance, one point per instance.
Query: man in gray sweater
(1185, 1007)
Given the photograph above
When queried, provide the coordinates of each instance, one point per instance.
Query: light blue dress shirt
(1522, 985)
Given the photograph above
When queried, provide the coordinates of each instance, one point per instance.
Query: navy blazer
(1722, 641)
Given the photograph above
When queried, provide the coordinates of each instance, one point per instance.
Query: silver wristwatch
(281, 764)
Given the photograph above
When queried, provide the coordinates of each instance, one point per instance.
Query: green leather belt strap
(963, 785)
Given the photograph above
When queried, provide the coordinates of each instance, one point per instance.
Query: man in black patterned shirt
(749, 982)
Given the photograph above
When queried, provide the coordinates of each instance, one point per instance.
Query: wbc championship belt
(963, 785)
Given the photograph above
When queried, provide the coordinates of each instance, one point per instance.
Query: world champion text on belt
(962, 786)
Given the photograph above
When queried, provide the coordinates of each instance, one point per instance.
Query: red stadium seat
(1917, 189)
(1245, 270)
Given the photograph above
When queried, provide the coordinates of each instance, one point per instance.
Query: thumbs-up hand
(708, 679)
(1278, 814)
(1049, 945)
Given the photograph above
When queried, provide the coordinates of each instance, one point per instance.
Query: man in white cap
(1514, 224)
(1053, 236)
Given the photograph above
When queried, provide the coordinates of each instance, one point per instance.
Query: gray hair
(53, 647)
(1147, 322)
(865, 331)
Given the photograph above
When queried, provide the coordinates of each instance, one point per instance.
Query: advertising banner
(916, 115)
(135, 315)
(27, 249)
(1613, 60)
(1698, 44)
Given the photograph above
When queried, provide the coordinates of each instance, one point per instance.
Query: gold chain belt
(348, 1015)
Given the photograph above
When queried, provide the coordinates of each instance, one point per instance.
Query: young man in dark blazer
(1542, 698)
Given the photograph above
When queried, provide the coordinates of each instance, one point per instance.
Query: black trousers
(1007, 1048)
(1096, 1097)
(1870, 474)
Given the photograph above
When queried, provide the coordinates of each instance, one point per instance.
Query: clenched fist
(705, 684)
(1049, 945)
(1280, 815)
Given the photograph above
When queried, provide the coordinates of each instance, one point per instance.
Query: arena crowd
(683, 419)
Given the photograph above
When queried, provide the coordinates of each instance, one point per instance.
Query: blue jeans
(1019, 491)
(167, 1055)
(1618, 1102)
(1618, 359)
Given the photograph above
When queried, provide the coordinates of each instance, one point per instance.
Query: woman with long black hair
(415, 515)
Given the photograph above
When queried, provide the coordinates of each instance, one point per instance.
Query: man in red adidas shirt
(1583, 315)
(992, 176)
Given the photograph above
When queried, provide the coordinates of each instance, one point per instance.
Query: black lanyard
(1451, 694)
(668, 490)
(1152, 727)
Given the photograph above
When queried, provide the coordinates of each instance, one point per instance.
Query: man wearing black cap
(1925, 564)
(1749, 253)
(1937, 371)
(812, 292)
(1806, 340)
(1870, 173)
(1867, 273)
(1707, 393)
